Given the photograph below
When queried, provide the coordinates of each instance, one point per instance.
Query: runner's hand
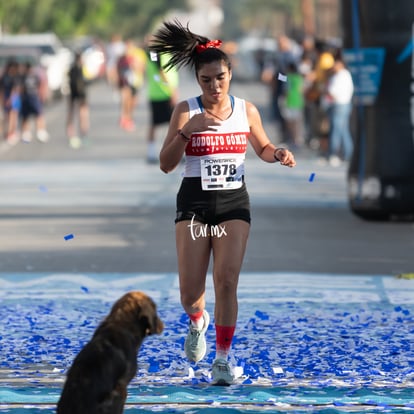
(285, 157)
(201, 122)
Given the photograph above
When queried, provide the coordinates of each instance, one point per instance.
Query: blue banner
(365, 65)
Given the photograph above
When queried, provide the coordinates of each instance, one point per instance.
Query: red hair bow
(207, 45)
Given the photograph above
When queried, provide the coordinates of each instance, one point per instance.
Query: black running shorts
(211, 207)
(161, 112)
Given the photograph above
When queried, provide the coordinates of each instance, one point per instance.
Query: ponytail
(186, 48)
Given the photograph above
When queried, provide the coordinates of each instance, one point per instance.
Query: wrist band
(274, 154)
(183, 136)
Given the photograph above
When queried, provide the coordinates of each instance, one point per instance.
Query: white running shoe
(42, 135)
(152, 156)
(26, 136)
(334, 161)
(222, 373)
(195, 346)
(75, 142)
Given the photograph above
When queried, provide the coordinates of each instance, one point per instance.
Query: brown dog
(97, 381)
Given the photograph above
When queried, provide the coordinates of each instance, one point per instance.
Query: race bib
(222, 172)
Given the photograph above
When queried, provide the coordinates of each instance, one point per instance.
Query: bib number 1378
(220, 173)
(221, 169)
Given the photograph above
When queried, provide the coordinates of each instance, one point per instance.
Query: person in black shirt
(33, 97)
(10, 91)
(77, 102)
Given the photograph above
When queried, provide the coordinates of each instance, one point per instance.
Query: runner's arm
(261, 143)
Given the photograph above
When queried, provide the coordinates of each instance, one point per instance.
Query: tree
(130, 18)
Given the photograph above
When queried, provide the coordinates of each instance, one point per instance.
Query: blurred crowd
(127, 66)
(311, 97)
(310, 93)
(22, 96)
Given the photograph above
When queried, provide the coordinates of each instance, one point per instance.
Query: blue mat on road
(192, 399)
(304, 342)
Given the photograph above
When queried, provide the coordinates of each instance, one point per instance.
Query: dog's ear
(141, 312)
(150, 320)
(147, 322)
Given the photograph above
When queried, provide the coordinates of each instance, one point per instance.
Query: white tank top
(218, 156)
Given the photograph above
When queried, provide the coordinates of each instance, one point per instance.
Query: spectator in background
(33, 97)
(306, 67)
(338, 100)
(10, 97)
(287, 53)
(126, 89)
(77, 103)
(316, 86)
(131, 70)
(114, 51)
(139, 61)
(309, 50)
(294, 106)
(162, 95)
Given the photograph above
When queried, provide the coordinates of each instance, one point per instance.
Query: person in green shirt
(162, 96)
(294, 104)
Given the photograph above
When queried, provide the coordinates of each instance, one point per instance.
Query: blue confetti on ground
(361, 345)
(283, 344)
(69, 237)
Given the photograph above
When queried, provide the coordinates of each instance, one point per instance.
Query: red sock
(196, 317)
(224, 337)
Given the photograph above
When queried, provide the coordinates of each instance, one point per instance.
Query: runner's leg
(228, 252)
(193, 260)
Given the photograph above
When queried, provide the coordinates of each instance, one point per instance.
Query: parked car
(53, 57)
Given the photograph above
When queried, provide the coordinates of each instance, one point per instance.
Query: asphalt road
(120, 210)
